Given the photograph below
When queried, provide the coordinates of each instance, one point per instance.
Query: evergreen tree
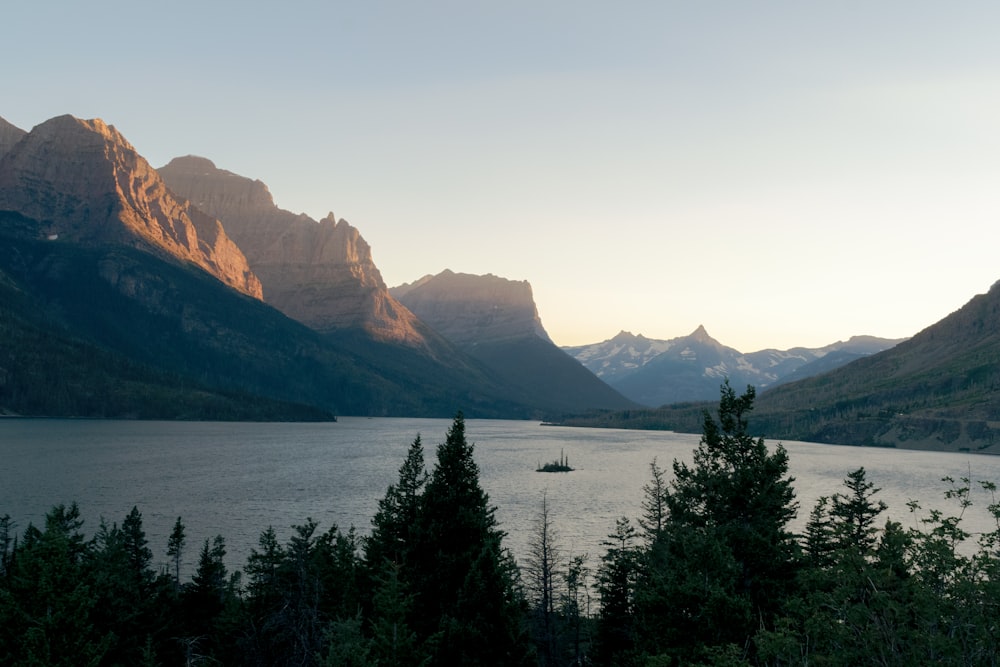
(390, 539)
(51, 619)
(740, 489)
(138, 555)
(819, 542)
(175, 548)
(654, 504)
(128, 607)
(465, 588)
(617, 579)
(393, 642)
(207, 601)
(725, 560)
(296, 593)
(854, 514)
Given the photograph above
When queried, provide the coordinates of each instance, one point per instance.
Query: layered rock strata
(468, 309)
(87, 184)
(319, 273)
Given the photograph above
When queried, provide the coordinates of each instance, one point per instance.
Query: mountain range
(184, 292)
(690, 368)
(113, 272)
(938, 390)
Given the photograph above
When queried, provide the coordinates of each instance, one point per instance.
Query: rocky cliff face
(9, 135)
(319, 273)
(468, 309)
(87, 184)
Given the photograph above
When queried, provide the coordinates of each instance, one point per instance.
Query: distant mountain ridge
(690, 368)
(939, 390)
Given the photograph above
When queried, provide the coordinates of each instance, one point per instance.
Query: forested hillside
(707, 573)
(122, 314)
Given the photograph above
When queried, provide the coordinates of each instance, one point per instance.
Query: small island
(561, 465)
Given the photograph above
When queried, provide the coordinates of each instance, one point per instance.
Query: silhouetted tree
(541, 572)
(467, 602)
(175, 548)
(724, 561)
(617, 579)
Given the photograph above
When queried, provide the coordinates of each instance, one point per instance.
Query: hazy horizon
(785, 175)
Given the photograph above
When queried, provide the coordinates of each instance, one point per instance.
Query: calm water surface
(236, 479)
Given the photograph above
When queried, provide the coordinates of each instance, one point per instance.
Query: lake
(236, 479)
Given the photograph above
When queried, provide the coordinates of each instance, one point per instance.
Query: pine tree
(206, 598)
(467, 601)
(175, 549)
(137, 552)
(654, 504)
(854, 513)
(393, 642)
(52, 598)
(738, 488)
(724, 556)
(396, 516)
(617, 578)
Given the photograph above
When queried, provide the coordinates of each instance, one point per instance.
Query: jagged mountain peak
(624, 335)
(9, 135)
(655, 372)
(86, 183)
(320, 273)
(701, 335)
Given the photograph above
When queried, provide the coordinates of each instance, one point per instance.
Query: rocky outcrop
(9, 135)
(469, 309)
(85, 183)
(319, 273)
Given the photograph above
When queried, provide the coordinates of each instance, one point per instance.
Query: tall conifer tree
(467, 601)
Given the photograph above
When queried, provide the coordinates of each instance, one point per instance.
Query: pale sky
(783, 173)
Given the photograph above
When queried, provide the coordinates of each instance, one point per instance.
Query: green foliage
(391, 539)
(617, 579)
(393, 641)
(719, 565)
(654, 504)
(468, 604)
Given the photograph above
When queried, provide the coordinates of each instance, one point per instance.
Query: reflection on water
(236, 479)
